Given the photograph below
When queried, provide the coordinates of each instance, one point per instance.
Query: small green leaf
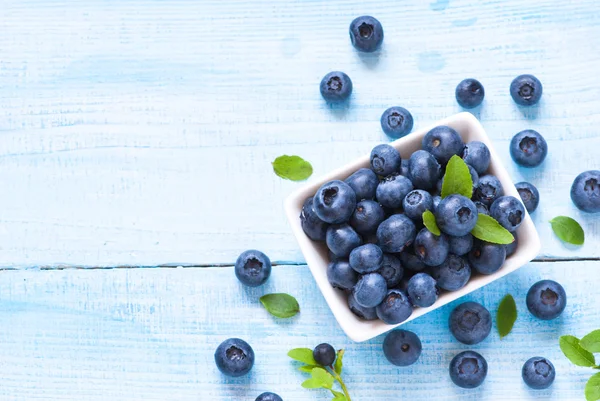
(457, 179)
(292, 168)
(280, 305)
(591, 342)
(323, 377)
(568, 230)
(306, 368)
(303, 355)
(592, 388)
(488, 229)
(311, 383)
(429, 221)
(570, 346)
(338, 362)
(506, 316)
(337, 396)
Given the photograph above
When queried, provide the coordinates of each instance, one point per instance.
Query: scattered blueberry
(395, 307)
(364, 183)
(460, 245)
(367, 216)
(436, 201)
(477, 155)
(412, 262)
(529, 195)
(234, 357)
(430, 248)
(468, 369)
(341, 275)
(487, 258)
(512, 247)
(416, 202)
(391, 270)
(402, 347)
(443, 142)
(546, 299)
(370, 290)
(424, 170)
(526, 90)
(366, 34)
(453, 274)
(252, 268)
(313, 226)
(342, 239)
(396, 122)
(405, 171)
(470, 323)
(456, 215)
(528, 148)
(366, 258)
(422, 290)
(469, 93)
(336, 87)
(392, 190)
(585, 191)
(268, 397)
(385, 160)
(360, 311)
(538, 373)
(324, 354)
(334, 202)
(482, 208)
(508, 211)
(488, 189)
(396, 233)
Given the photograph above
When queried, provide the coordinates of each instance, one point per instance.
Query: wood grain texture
(150, 334)
(141, 132)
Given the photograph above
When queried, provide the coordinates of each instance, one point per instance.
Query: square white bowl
(316, 253)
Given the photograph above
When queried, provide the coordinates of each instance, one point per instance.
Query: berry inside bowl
(317, 254)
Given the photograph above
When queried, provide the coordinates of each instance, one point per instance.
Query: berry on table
(360, 311)
(396, 122)
(324, 354)
(395, 307)
(385, 160)
(443, 142)
(341, 275)
(508, 211)
(366, 258)
(392, 190)
(456, 215)
(538, 373)
(402, 347)
(468, 369)
(526, 90)
(470, 323)
(546, 299)
(422, 290)
(312, 225)
(430, 248)
(585, 191)
(252, 268)
(424, 170)
(366, 33)
(477, 155)
(367, 216)
(234, 357)
(529, 195)
(528, 148)
(469, 93)
(364, 183)
(370, 290)
(336, 87)
(341, 239)
(488, 189)
(268, 397)
(487, 258)
(453, 274)
(396, 233)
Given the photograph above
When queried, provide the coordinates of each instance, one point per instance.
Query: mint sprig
(581, 353)
(488, 229)
(506, 315)
(322, 376)
(457, 179)
(292, 168)
(430, 223)
(568, 230)
(280, 305)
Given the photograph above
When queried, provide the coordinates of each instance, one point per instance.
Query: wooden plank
(150, 334)
(142, 132)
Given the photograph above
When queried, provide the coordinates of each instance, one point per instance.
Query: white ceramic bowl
(316, 254)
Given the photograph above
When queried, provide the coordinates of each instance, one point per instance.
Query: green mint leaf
(311, 383)
(303, 355)
(292, 168)
(323, 377)
(280, 305)
(306, 368)
(506, 315)
(488, 229)
(570, 346)
(592, 388)
(591, 342)
(457, 179)
(337, 396)
(568, 230)
(338, 362)
(429, 221)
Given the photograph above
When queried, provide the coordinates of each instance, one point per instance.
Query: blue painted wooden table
(139, 134)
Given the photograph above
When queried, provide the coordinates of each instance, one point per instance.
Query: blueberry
(424, 170)
(392, 190)
(538, 373)
(385, 160)
(366, 34)
(341, 275)
(402, 347)
(456, 215)
(477, 155)
(460, 245)
(508, 211)
(422, 290)
(370, 290)
(453, 274)
(252, 268)
(526, 90)
(529, 195)
(470, 323)
(528, 148)
(342, 239)
(391, 270)
(396, 233)
(336, 87)
(468, 369)
(360, 311)
(585, 191)
(313, 226)
(268, 397)
(512, 247)
(367, 216)
(436, 201)
(412, 262)
(405, 171)
(234, 357)
(324, 354)
(430, 248)
(364, 183)
(482, 208)
(396, 122)
(469, 93)
(334, 202)
(416, 202)
(487, 258)
(488, 189)
(546, 299)
(366, 258)
(443, 142)
(395, 308)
